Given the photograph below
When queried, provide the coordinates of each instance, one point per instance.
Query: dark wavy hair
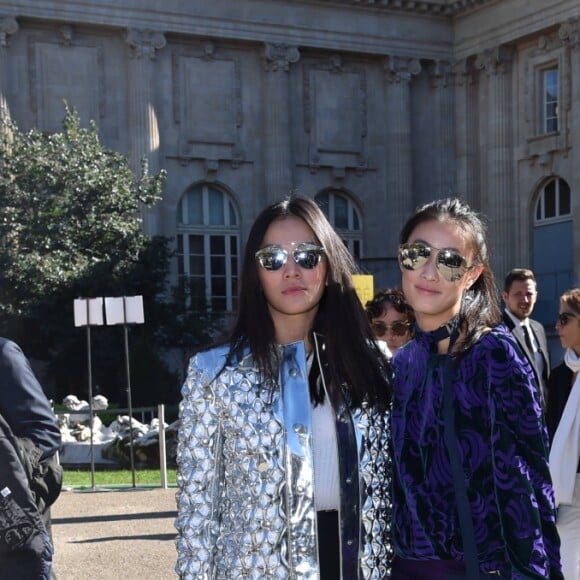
(479, 309)
(392, 296)
(351, 352)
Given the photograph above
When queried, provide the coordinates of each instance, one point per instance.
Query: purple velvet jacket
(504, 451)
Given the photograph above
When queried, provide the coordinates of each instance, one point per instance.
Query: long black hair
(479, 309)
(351, 352)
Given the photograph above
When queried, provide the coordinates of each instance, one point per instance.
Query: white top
(326, 475)
(326, 478)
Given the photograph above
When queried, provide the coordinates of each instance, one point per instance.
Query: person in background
(519, 295)
(30, 475)
(284, 440)
(391, 318)
(563, 419)
(472, 493)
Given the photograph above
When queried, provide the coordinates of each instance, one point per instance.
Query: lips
(294, 290)
(426, 290)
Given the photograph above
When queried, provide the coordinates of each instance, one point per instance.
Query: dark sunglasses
(397, 328)
(564, 318)
(306, 255)
(450, 263)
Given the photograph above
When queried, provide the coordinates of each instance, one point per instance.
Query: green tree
(70, 227)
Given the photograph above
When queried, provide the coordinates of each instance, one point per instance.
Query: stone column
(443, 156)
(143, 123)
(8, 26)
(498, 200)
(466, 132)
(278, 158)
(570, 35)
(399, 179)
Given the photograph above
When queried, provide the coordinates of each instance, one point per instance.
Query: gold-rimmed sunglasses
(398, 328)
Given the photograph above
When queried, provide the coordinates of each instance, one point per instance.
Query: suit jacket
(540, 336)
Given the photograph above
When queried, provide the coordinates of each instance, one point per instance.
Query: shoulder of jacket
(536, 324)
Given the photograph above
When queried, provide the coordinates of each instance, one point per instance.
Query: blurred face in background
(521, 298)
(393, 327)
(568, 327)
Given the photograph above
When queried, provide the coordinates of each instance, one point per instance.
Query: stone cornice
(432, 7)
(335, 25)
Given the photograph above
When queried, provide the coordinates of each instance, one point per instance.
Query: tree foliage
(70, 227)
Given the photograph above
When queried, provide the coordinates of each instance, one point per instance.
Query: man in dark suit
(520, 295)
(30, 476)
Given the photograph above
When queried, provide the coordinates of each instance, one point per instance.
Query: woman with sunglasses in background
(283, 466)
(391, 318)
(472, 495)
(563, 418)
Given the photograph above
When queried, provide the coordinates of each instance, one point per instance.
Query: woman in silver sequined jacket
(250, 433)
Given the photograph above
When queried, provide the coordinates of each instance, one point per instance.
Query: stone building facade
(371, 106)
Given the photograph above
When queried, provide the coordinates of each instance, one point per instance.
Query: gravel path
(111, 535)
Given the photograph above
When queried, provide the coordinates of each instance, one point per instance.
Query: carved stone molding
(569, 33)
(209, 50)
(279, 57)
(66, 34)
(463, 72)
(203, 75)
(144, 43)
(440, 72)
(58, 61)
(494, 61)
(399, 69)
(8, 26)
(435, 7)
(335, 141)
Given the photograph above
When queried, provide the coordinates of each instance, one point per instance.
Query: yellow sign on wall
(364, 286)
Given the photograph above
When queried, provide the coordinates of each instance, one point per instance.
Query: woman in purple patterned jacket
(466, 422)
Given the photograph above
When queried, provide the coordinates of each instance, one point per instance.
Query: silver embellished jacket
(245, 503)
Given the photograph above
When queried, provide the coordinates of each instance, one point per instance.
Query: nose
(429, 270)
(291, 268)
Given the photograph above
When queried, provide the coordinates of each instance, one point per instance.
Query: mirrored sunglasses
(398, 328)
(307, 256)
(565, 317)
(450, 263)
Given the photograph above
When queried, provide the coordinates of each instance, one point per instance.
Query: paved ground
(111, 535)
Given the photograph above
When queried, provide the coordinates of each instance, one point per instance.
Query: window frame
(352, 238)
(545, 117)
(228, 230)
(540, 205)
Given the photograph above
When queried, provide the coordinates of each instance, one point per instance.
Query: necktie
(528, 338)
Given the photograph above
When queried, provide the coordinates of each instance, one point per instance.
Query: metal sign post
(126, 310)
(89, 312)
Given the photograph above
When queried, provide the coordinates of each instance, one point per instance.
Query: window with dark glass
(344, 216)
(207, 246)
(554, 201)
(550, 96)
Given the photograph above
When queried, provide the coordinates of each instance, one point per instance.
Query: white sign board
(88, 311)
(124, 310)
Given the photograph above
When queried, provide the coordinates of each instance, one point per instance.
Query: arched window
(208, 246)
(554, 202)
(552, 248)
(345, 218)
